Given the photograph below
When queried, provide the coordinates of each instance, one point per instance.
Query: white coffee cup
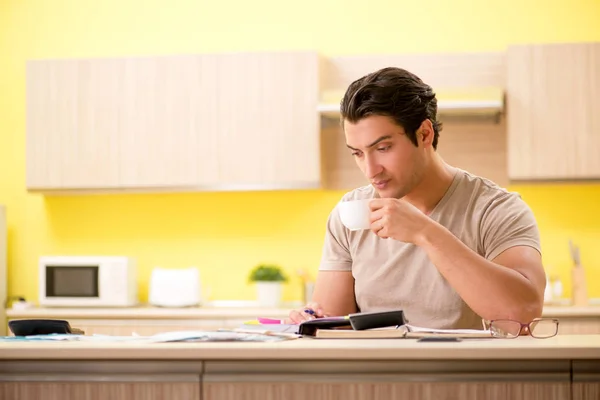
(355, 214)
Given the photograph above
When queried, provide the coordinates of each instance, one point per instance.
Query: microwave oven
(87, 281)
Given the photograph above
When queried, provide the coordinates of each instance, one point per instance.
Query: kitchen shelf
(477, 102)
(489, 106)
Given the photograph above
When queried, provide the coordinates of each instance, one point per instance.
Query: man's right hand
(300, 315)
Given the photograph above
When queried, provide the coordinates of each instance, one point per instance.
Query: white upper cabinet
(162, 115)
(553, 102)
(198, 122)
(268, 124)
(73, 124)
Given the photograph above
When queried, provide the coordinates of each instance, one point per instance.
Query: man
(447, 247)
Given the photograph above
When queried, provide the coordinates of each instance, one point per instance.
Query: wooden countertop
(221, 313)
(149, 312)
(567, 347)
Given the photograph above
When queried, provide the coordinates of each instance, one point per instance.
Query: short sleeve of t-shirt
(507, 222)
(336, 254)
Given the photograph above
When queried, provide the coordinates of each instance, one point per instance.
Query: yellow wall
(225, 234)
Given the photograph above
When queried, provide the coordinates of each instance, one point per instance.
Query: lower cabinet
(63, 390)
(316, 389)
(300, 380)
(366, 390)
(100, 379)
(586, 391)
(586, 380)
(407, 379)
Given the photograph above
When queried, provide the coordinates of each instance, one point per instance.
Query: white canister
(268, 293)
(175, 287)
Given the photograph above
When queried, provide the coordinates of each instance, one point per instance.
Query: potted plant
(268, 279)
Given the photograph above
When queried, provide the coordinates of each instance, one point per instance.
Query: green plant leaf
(267, 273)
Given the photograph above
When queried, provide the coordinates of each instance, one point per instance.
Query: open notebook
(405, 331)
(386, 324)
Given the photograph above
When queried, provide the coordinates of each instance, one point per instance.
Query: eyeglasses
(540, 328)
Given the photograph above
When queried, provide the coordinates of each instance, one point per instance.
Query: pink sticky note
(269, 320)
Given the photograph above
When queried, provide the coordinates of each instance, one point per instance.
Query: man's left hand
(397, 219)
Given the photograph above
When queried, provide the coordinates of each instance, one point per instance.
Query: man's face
(385, 155)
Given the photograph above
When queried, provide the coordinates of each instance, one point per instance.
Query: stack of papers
(458, 332)
(217, 336)
(177, 336)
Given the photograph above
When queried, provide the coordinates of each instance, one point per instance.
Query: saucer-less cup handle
(354, 214)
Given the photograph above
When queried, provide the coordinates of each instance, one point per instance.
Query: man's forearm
(491, 290)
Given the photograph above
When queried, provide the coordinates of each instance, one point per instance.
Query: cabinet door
(55, 389)
(586, 380)
(553, 108)
(100, 379)
(121, 123)
(268, 122)
(72, 124)
(167, 116)
(406, 379)
(299, 387)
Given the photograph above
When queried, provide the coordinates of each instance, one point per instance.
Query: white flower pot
(269, 294)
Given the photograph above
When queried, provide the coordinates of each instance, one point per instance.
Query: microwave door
(77, 282)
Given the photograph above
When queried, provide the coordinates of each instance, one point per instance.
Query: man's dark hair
(396, 93)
